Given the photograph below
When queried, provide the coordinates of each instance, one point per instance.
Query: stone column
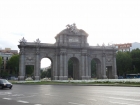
(56, 68)
(61, 67)
(65, 67)
(89, 67)
(22, 65)
(86, 67)
(83, 66)
(103, 67)
(37, 67)
(114, 71)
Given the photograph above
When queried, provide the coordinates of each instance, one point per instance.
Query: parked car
(5, 84)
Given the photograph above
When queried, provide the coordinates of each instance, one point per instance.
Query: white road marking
(17, 95)
(37, 104)
(7, 98)
(22, 101)
(27, 96)
(121, 103)
(124, 99)
(75, 103)
(49, 95)
(92, 99)
(35, 93)
(5, 93)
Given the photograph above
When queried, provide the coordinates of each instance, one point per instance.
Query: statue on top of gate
(72, 28)
(22, 41)
(37, 41)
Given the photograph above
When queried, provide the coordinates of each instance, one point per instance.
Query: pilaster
(22, 64)
(83, 66)
(56, 67)
(65, 66)
(114, 71)
(103, 67)
(37, 66)
(61, 66)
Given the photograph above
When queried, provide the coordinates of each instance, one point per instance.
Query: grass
(78, 83)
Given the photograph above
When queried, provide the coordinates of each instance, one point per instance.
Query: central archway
(73, 68)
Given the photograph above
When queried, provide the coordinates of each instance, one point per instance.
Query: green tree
(135, 55)
(0, 64)
(29, 70)
(124, 63)
(13, 65)
(45, 74)
(49, 73)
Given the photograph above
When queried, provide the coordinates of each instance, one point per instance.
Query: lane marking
(92, 99)
(120, 103)
(17, 95)
(5, 93)
(37, 104)
(123, 99)
(26, 96)
(75, 103)
(49, 95)
(22, 101)
(7, 98)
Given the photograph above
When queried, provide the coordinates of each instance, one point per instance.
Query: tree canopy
(124, 63)
(0, 64)
(13, 64)
(135, 55)
(0, 61)
(128, 62)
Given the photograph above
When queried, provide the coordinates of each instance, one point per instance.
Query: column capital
(84, 54)
(22, 51)
(37, 52)
(103, 54)
(63, 53)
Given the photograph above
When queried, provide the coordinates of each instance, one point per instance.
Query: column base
(21, 78)
(83, 77)
(37, 77)
(115, 77)
(104, 77)
(86, 77)
(61, 77)
(65, 77)
(55, 77)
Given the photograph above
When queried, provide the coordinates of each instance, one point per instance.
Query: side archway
(95, 68)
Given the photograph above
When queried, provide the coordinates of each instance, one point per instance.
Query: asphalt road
(69, 95)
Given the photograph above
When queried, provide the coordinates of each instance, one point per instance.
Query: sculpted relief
(29, 60)
(73, 40)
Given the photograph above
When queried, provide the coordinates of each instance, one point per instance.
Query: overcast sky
(106, 21)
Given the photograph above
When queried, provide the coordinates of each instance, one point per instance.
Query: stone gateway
(71, 44)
